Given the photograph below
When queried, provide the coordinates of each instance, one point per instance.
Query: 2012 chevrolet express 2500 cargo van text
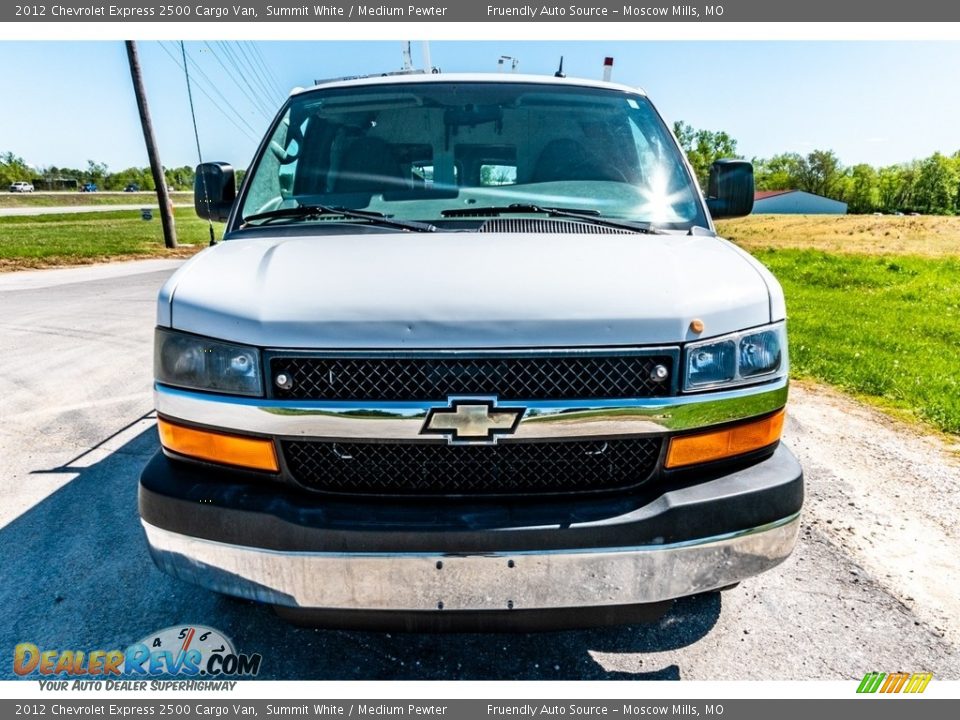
(470, 352)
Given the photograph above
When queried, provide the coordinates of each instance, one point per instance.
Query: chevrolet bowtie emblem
(472, 421)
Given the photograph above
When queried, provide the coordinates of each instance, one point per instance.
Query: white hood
(466, 290)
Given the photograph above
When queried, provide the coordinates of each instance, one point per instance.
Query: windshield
(434, 151)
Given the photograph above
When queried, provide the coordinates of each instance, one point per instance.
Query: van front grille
(515, 468)
(539, 377)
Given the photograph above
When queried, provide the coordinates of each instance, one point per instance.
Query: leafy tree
(862, 189)
(897, 184)
(13, 168)
(820, 173)
(956, 164)
(130, 176)
(96, 172)
(180, 178)
(497, 175)
(781, 172)
(703, 147)
(935, 190)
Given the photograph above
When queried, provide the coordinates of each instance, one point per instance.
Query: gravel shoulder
(884, 494)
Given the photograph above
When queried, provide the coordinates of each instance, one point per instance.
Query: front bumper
(250, 538)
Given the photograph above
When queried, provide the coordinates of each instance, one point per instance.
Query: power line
(234, 114)
(196, 135)
(269, 70)
(242, 75)
(268, 76)
(214, 87)
(227, 115)
(232, 74)
(257, 75)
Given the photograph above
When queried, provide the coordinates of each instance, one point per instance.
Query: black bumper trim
(256, 511)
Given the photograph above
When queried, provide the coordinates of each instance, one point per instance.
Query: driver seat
(567, 159)
(369, 165)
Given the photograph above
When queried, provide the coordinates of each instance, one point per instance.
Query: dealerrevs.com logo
(192, 650)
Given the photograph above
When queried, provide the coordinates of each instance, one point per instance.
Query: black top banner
(482, 11)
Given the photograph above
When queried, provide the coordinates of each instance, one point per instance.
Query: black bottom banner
(874, 707)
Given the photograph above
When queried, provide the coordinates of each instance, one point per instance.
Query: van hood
(466, 290)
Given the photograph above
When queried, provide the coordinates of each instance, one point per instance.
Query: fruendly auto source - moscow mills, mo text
(425, 11)
(585, 11)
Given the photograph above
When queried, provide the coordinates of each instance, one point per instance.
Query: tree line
(13, 169)
(930, 186)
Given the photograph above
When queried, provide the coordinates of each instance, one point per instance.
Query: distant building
(796, 202)
(55, 183)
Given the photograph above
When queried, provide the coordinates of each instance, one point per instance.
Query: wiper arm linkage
(306, 212)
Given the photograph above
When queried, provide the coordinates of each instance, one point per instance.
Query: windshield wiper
(590, 216)
(306, 212)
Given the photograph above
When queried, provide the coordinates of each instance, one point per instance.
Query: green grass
(76, 238)
(883, 327)
(69, 199)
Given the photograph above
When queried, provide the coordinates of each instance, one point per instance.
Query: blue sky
(873, 102)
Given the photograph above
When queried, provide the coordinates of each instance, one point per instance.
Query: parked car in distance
(21, 187)
(132, 187)
(88, 187)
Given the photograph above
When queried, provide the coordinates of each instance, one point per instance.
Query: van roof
(419, 78)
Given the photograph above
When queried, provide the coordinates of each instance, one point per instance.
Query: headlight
(199, 363)
(736, 359)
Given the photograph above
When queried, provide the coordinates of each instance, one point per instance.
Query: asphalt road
(76, 426)
(31, 210)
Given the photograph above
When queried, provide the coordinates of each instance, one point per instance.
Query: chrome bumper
(390, 421)
(490, 581)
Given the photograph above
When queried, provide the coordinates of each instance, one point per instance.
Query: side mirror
(730, 189)
(214, 190)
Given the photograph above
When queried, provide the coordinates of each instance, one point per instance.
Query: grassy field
(883, 327)
(875, 312)
(70, 199)
(47, 240)
(926, 235)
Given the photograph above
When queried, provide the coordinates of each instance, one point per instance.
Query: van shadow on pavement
(76, 574)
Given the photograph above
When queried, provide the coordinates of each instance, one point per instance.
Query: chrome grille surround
(547, 375)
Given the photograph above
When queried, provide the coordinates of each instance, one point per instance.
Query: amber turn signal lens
(219, 448)
(720, 444)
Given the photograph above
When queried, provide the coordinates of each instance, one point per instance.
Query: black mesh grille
(508, 468)
(511, 378)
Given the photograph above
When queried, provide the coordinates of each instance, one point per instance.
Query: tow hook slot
(340, 452)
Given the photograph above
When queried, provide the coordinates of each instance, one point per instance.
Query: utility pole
(163, 196)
